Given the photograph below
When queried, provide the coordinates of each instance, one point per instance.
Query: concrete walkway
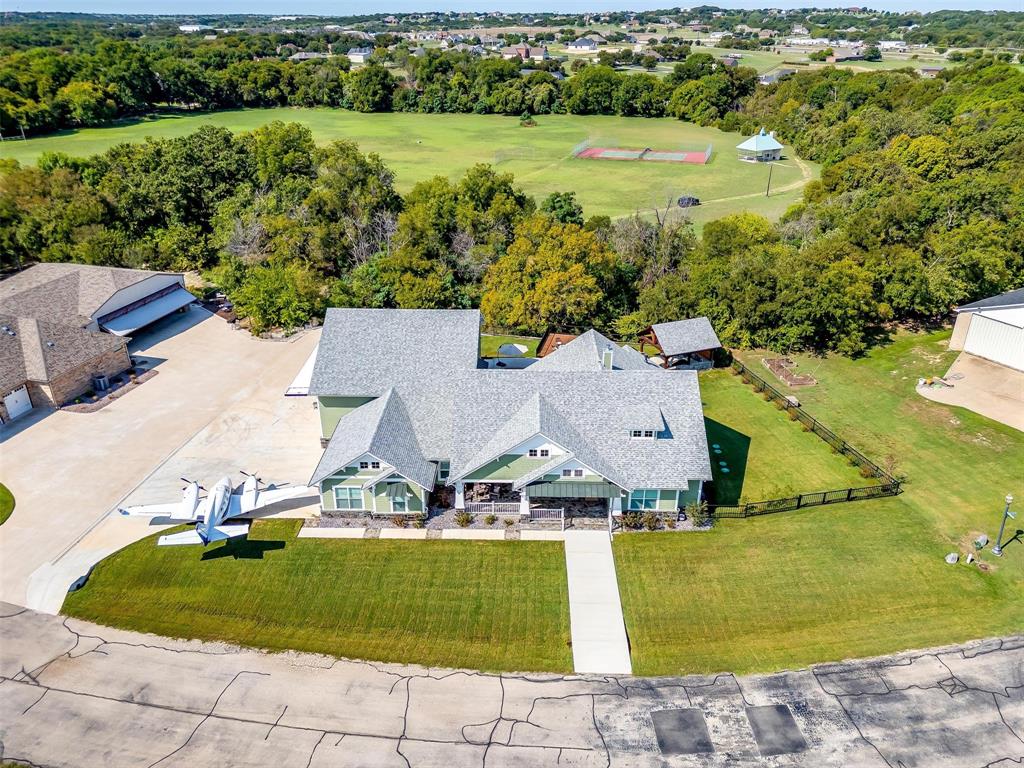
(75, 695)
(599, 643)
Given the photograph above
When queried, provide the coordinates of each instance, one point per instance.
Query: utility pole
(997, 550)
(769, 188)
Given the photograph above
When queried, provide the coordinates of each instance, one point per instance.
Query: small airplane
(219, 504)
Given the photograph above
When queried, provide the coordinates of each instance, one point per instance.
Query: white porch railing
(548, 513)
(492, 507)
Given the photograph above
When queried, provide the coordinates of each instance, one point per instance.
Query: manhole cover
(775, 730)
(682, 732)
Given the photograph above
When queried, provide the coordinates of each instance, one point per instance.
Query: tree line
(920, 207)
(43, 89)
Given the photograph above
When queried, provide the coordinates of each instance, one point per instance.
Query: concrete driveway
(77, 695)
(992, 390)
(216, 406)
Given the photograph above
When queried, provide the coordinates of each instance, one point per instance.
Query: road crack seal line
(210, 714)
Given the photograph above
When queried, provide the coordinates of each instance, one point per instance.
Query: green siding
(349, 479)
(667, 501)
(557, 478)
(332, 409)
(374, 499)
(690, 494)
(511, 466)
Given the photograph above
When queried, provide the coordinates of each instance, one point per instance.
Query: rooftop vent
(50, 344)
(606, 357)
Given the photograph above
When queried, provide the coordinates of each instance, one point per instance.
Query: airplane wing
(219, 533)
(154, 510)
(240, 504)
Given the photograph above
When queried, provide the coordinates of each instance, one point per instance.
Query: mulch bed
(116, 391)
(783, 367)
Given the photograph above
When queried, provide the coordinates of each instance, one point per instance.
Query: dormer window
(566, 473)
(532, 452)
(544, 452)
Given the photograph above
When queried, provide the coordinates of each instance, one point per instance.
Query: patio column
(460, 495)
(524, 503)
(615, 505)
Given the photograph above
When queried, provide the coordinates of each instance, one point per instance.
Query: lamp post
(997, 550)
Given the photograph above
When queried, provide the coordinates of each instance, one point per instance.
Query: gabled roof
(68, 293)
(759, 142)
(1009, 299)
(381, 428)
(534, 416)
(588, 413)
(40, 350)
(365, 352)
(684, 336)
(586, 353)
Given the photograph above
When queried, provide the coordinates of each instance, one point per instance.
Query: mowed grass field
(482, 605)
(843, 581)
(418, 147)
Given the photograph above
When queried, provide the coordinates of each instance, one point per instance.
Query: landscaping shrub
(420, 521)
(491, 519)
(509, 522)
(631, 520)
(651, 521)
(463, 519)
(697, 511)
(401, 521)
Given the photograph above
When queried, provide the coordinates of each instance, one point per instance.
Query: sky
(329, 7)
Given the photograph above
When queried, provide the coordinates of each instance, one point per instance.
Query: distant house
(800, 29)
(931, 72)
(489, 41)
(844, 54)
(766, 34)
(729, 62)
(769, 78)
(525, 52)
(308, 55)
(582, 45)
(992, 329)
(760, 148)
(892, 45)
(359, 55)
(189, 29)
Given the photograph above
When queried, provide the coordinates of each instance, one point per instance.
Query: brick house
(61, 325)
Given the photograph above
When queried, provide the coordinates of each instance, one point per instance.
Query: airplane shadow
(241, 548)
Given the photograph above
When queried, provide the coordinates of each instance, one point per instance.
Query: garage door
(17, 402)
(998, 339)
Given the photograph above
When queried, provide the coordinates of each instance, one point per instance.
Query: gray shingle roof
(590, 414)
(381, 428)
(1013, 298)
(68, 293)
(365, 352)
(41, 350)
(684, 336)
(585, 353)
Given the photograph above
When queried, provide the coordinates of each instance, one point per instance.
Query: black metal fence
(887, 485)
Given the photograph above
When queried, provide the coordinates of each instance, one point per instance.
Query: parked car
(688, 201)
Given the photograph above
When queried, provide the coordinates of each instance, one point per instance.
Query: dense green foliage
(6, 503)
(920, 207)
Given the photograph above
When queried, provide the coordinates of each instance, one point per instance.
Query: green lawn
(767, 455)
(6, 503)
(418, 147)
(489, 344)
(835, 582)
(482, 605)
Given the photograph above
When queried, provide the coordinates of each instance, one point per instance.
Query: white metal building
(992, 329)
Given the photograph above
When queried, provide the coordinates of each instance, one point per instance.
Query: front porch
(592, 504)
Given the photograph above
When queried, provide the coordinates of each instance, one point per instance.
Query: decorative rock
(970, 558)
(981, 541)
(952, 558)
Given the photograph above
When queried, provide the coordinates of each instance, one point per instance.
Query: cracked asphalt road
(78, 695)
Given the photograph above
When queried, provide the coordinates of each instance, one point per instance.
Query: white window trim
(644, 499)
(350, 499)
(405, 501)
